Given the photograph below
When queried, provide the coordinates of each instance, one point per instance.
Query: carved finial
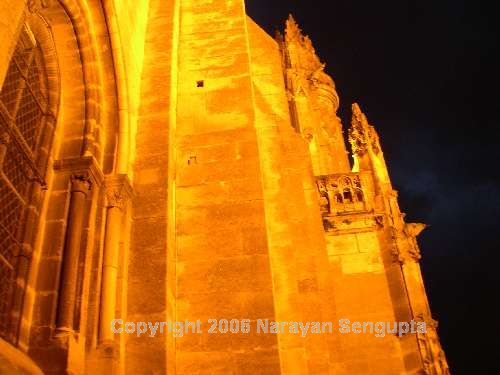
(292, 30)
(361, 133)
(356, 110)
(358, 116)
(305, 57)
(357, 133)
(414, 229)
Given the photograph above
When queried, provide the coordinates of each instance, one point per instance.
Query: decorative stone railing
(341, 194)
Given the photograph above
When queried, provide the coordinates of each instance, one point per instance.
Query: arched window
(24, 114)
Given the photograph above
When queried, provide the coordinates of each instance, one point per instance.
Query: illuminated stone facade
(170, 161)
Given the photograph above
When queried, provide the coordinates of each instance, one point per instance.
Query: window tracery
(24, 112)
(341, 193)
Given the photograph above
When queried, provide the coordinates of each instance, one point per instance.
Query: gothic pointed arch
(29, 103)
(52, 108)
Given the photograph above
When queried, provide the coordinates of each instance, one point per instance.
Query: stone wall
(222, 262)
(12, 12)
(146, 284)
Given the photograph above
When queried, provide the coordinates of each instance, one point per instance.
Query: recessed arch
(77, 97)
(72, 24)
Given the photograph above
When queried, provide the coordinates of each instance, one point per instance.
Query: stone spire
(292, 29)
(313, 100)
(366, 150)
(357, 132)
(362, 136)
(309, 60)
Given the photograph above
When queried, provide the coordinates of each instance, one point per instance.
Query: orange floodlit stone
(177, 197)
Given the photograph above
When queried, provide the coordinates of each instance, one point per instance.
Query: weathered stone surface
(242, 202)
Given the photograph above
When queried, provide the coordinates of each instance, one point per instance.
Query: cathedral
(174, 183)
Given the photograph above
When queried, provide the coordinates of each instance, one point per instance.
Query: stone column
(118, 191)
(80, 186)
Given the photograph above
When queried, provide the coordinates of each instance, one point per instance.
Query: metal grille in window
(23, 114)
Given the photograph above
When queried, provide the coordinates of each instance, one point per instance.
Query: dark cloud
(426, 75)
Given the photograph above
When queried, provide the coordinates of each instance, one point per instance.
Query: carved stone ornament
(428, 320)
(292, 31)
(324, 200)
(81, 182)
(357, 136)
(118, 190)
(361, 134)
(379, 219)
(116, 197)
(35, 5)
(405, 247)
(375, 142)
(433, 356)
(4, 138)
(407, 253)
(414, 229)
(307, 62)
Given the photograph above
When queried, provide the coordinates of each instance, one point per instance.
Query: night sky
(425, 74)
